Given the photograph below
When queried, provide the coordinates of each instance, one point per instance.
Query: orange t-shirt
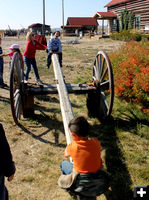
(85, 155)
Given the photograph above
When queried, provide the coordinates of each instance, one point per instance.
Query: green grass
(39, 142)
(124, 137)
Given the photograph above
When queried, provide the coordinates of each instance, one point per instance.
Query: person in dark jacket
(7, 166)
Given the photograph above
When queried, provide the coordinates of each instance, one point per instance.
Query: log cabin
(140, 9)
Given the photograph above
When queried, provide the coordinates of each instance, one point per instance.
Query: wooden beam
(65, 104)
(52, 89)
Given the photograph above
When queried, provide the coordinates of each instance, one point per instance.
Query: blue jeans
(49, 59)
(3, 189)
(31, 62)
(66, 167)
(1, 73)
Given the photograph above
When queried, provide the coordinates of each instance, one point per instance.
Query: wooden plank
(66, 109)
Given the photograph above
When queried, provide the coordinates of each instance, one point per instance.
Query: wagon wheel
(16, 86)
(102, 76)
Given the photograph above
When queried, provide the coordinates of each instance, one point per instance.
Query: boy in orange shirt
(84, 152)
(84, 177)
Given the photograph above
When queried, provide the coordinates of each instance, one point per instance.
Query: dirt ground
(38, 144)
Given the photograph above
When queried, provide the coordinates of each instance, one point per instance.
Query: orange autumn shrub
(131, 71)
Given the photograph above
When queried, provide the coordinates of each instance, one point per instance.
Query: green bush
(127, 36)
(145, 37)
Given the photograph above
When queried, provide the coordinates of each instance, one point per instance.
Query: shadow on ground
(50, 123)
(5, 99)
(115, 161)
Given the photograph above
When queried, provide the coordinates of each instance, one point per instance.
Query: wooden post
(43, 26)
(66, 109)
(102, 27)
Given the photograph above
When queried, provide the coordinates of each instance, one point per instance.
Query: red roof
(105, 14)
(73, 26)
(82, 21)
(114, 2)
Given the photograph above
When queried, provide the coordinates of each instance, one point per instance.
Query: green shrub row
(128, 36)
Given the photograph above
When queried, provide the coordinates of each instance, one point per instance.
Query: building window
(114, 22)
(137, 21)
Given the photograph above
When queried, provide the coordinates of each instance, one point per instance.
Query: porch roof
(105, 15)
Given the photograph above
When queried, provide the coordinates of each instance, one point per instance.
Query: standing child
(54, 46)
(29, 56)
(2, 84)
(7, 167)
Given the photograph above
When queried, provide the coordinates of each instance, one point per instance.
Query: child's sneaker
(39, 81)
(48, 66)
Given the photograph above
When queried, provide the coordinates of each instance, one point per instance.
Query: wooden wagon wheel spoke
(16, 81)
(99, 61)
(105, 85)
(94, 72)
(103, 76)
(16, 93)
(103, 97)
(97, 68)
(17, 99)
(18, 106)
(102, 66)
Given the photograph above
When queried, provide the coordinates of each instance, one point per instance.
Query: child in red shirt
(29, 56)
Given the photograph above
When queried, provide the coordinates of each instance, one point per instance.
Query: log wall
(138, 7)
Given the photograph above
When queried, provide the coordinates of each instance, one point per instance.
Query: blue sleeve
(50, 45)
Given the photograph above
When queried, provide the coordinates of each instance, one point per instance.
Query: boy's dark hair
(79, 126)
(57, 32)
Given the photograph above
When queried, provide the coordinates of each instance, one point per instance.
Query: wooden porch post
(102, 27)
(109, 27)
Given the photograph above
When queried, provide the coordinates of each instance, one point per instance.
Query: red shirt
(85, 155)
(11, 55)
(31, 48)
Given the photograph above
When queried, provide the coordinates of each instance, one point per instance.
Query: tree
(130, 20)
(127, 19)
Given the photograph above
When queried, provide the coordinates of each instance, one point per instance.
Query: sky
(18, 14)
